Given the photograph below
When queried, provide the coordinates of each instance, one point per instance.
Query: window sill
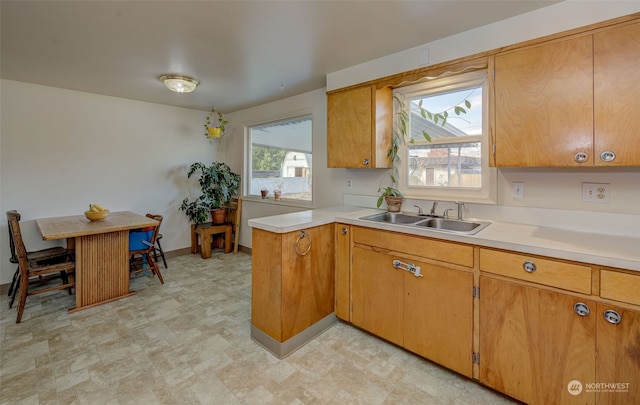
(284, 202)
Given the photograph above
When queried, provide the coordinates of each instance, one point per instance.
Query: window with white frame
(451, 162)
(280, 158)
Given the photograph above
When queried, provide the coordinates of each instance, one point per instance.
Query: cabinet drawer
(572, 277)
(450, 252)
(620, 286)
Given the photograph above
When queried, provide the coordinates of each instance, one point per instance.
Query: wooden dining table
(101, 253)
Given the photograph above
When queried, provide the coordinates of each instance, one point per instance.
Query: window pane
(459, 110)
(447, 165)
(281, 158)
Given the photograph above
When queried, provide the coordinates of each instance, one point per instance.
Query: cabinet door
(617, 91)
(438, 316)
(359, 125)
(376, 294)
(533, 344)
(618, 355)
(308, 293)
(343, 271)
(544, 104)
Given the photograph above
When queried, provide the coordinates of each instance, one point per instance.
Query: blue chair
(142, 246)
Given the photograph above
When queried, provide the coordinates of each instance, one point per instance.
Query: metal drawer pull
(365, 162)
(607, 156)
(581, 309)
(410, 267)
(344, 231)
(529, 266)
(303, 235)
(612, 316)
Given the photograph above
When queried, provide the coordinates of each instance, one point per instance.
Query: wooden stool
(206, 231)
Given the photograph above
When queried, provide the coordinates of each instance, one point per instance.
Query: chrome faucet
(433, 208)
(419, 209)
(460, 205)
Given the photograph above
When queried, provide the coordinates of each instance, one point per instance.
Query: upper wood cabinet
(544, 104)
(617, 93)
(570, 102)
(359, 127)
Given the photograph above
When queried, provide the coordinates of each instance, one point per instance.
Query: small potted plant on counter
(218, 184)
(392, 197)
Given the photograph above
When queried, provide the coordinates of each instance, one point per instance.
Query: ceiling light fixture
(179, 83)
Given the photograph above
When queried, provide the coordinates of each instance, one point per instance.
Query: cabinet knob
(365, 162)
(344, 231)
(580, 157)
(607, 156)
(581, 309)
(612, 316)
(529, 266)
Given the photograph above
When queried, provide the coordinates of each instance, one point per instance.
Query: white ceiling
(244, 53)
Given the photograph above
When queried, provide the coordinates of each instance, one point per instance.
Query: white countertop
(592, 248)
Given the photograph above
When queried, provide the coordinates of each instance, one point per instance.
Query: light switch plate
(518, 189)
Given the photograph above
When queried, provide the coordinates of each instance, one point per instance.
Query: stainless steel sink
(394, 218)
(452, 225)
(436, 224)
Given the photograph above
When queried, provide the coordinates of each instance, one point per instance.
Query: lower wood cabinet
(438, 316)
(292, 280)
(618, 362)
(428, 311)
(533, 342)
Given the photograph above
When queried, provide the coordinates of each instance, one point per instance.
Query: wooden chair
(44, 256)
(142, 253)
(37, 267)
(159, 252)
(234, 216)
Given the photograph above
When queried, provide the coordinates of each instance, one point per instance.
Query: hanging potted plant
(218, 184)
(214, 124)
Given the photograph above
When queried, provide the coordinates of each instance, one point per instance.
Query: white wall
(61, 150)
(559, 17)
(325, 192)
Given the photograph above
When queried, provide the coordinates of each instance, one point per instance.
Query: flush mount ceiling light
(179, 83)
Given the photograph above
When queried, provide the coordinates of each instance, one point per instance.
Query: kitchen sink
(436, 224)
(394, 218)
(451, 225)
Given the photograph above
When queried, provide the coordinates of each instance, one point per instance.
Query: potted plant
(214, 124)
(218, 184)
(277, 194)
(393, 198)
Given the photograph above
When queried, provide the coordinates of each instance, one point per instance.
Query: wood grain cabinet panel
(438, 316)
(533, 343)
(377, 294)
(343, 271)
(359, 127)
(544, 104)
(554, 273)
(618, 363)
(291, 291)
(430, 314)
(617, 91)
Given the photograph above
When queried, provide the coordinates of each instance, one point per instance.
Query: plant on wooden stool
(218, 184)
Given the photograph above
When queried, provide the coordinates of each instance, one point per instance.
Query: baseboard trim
(282, 350)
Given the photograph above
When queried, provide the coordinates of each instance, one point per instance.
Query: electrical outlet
(518, 189)
(597, 193)
(349, 183)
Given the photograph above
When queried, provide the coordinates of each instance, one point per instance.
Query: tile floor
(187, 342)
